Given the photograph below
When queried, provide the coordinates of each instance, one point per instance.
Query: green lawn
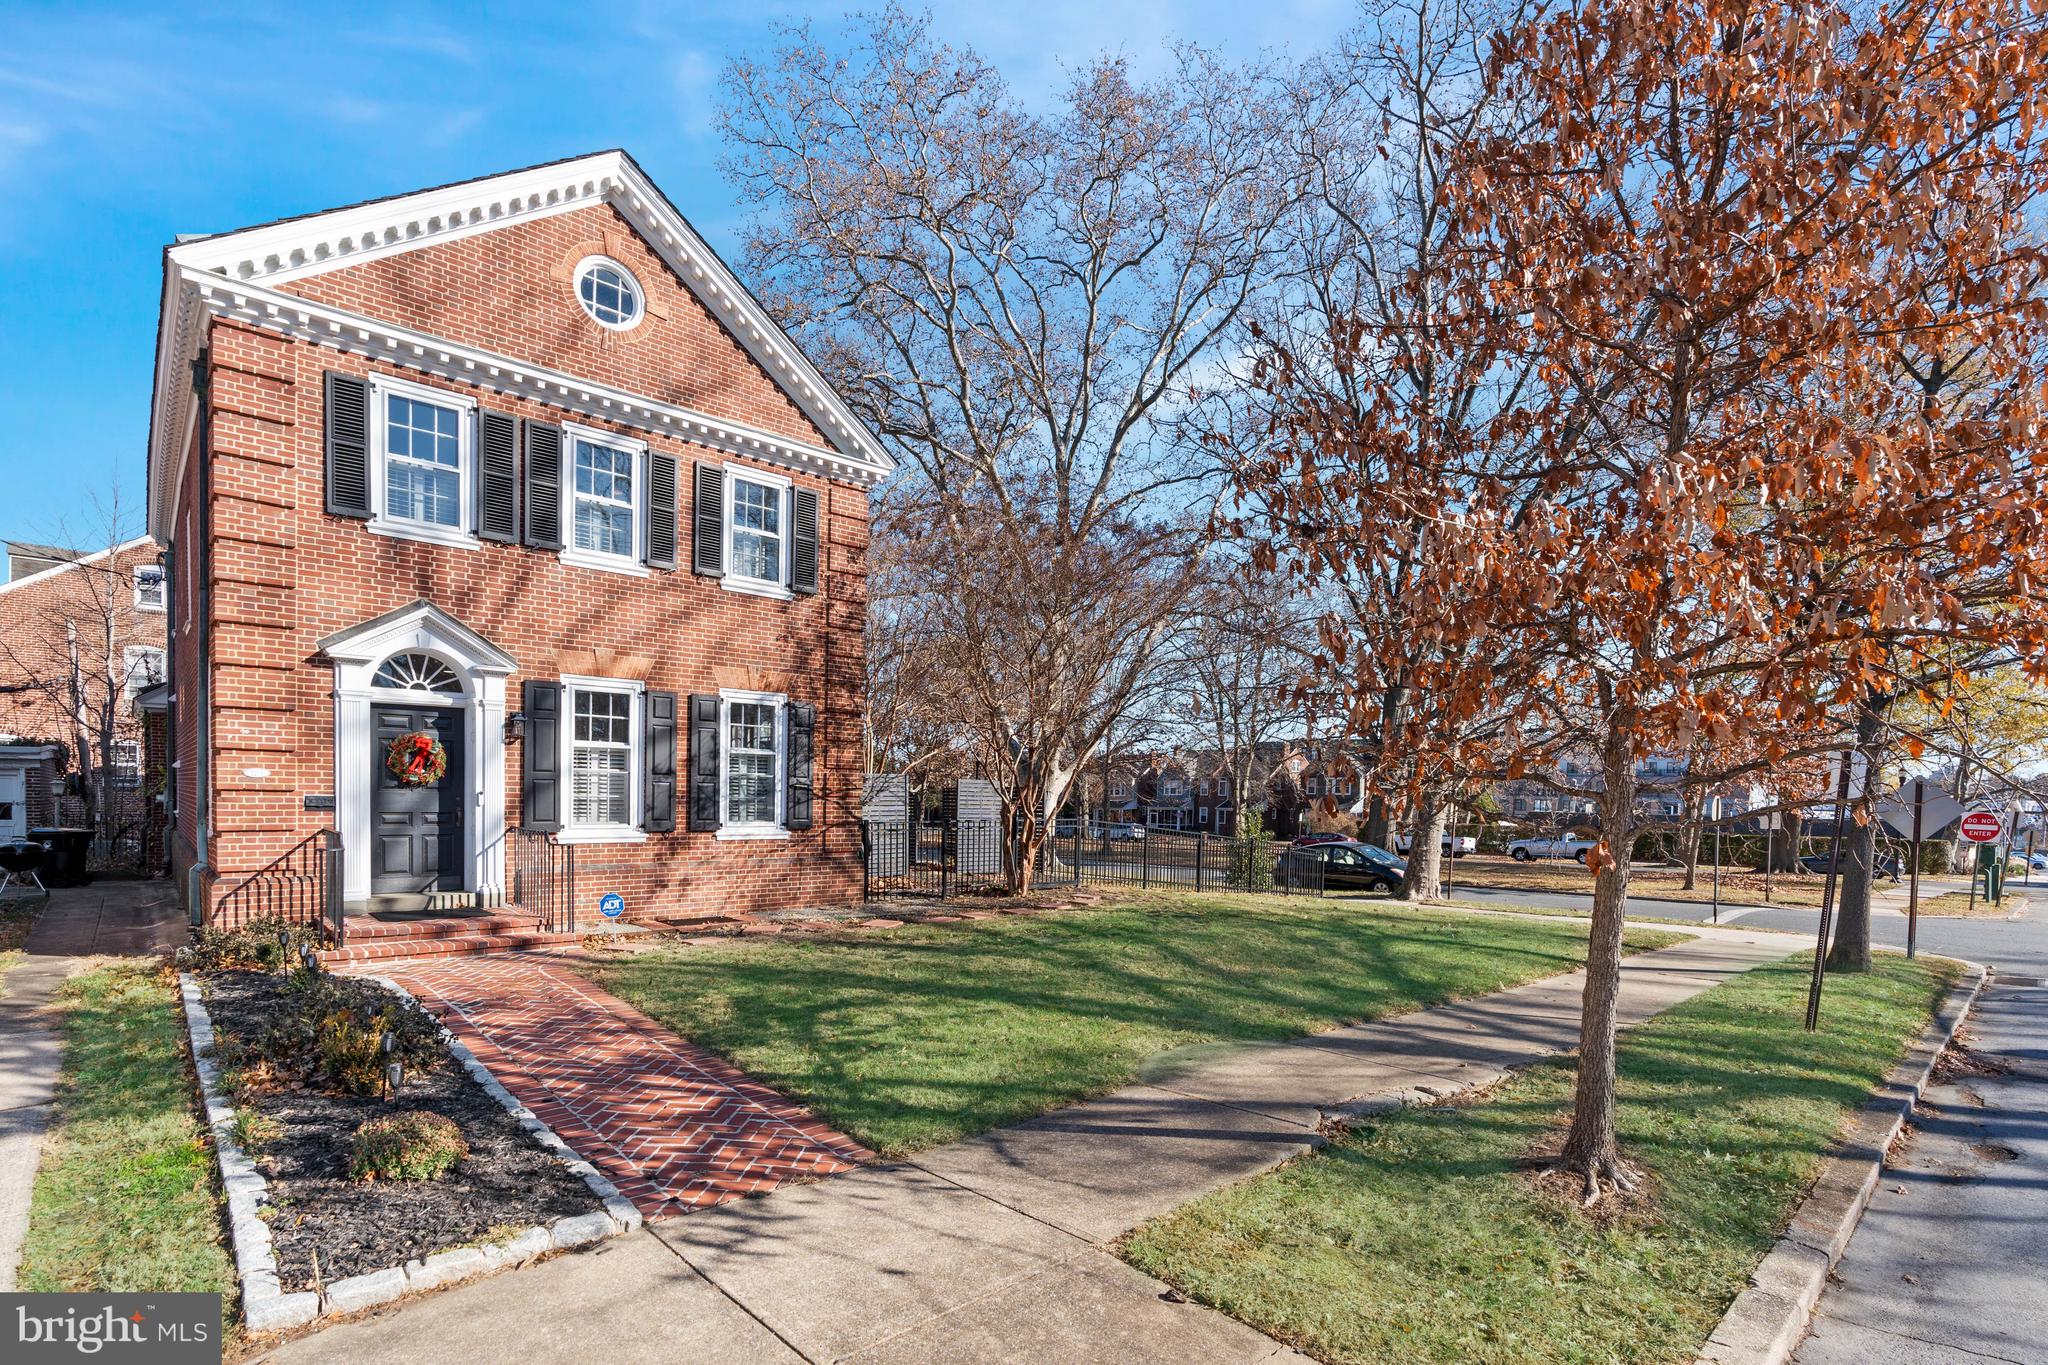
(124, 1199)
(912, 1037)
(1421, 1239)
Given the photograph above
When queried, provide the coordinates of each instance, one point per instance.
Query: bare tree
(1235, 672)
(1021, 305)
(69, 666)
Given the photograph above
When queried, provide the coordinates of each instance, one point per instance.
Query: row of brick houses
(1193, 793)
(503, 510)
(1301, 785)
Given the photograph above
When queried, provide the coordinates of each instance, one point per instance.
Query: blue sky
(123, 125)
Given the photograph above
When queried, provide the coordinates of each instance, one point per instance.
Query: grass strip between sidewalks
(125, 1198)
(1422, 1237)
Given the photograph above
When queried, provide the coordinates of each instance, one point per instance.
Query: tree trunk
(1689, 835)
(1590, 1147)
(1851, 949)
(1782, 849)
(1424, 879)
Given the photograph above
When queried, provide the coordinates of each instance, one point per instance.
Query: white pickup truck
(1523, 850)
(1453, 845)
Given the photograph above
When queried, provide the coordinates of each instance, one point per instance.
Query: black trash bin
(65, 864)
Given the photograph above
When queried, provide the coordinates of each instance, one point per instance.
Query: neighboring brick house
(519, 466)
(81, 634)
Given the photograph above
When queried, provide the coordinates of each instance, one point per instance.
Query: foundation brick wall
(284, 574)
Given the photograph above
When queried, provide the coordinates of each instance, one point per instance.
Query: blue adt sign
(612, 905)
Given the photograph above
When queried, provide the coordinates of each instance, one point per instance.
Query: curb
(267, 1308)
(1769, 1319)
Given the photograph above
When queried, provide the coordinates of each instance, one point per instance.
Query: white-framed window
(1223, 786)
(609, 293)
(1119, 790)
(1315, 786)
(756, 532)
(127, 763)
(1203, 815)
(423, 443)
(142, 666)
(751, 762)
(149, 587)
(607, 500)
(602, 759)
(1173, 786)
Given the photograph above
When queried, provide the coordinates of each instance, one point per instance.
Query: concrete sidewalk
(113, 918)
(996, 1248)
(1947, 1264)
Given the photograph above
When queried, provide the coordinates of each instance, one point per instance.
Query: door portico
(419, 662)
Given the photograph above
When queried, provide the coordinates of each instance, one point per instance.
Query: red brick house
(81, 639)
(511, 480)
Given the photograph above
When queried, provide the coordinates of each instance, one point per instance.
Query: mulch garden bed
(326, 1226)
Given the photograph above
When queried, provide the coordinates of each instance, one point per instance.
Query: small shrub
(253, 947)
(330, 1030)
(416, 1145)
(351, 1054)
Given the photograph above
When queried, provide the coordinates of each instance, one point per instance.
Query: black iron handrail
(302, 885)
(543, 879)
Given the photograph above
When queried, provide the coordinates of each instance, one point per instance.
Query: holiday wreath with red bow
(416, 759)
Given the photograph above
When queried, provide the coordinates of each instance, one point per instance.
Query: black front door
(416, 831)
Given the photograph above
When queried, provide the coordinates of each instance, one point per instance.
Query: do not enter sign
(1982, 826)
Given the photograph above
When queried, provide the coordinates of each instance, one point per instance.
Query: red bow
(422, 754)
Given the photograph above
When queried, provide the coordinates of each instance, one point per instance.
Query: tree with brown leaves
(1726, 506)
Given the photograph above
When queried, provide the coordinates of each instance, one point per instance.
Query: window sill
(752, 832)
(606, 834)
(584, 559)
(755, 587)
(432, 535)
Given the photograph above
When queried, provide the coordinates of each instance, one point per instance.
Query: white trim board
(277, 253)
(41, 575)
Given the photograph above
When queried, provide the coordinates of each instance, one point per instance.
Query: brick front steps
(375, 940)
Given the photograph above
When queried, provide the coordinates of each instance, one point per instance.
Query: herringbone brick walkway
(674, 1127)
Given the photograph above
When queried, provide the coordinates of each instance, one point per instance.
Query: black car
(1351, 866)
(1887, 864)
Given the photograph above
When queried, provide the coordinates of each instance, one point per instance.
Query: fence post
(864, 862)
(1145, 859)
(571, 905)
(1201, 852)
(949, 846)
(1079, 821)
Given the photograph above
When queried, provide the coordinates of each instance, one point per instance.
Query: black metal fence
(955, 857)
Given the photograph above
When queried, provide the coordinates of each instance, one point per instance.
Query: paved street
(1950, 1263)
(997, 1248)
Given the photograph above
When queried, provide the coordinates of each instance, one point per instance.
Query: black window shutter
(543, 486)
(802, 721)
(661, 762)
(348, 445)
(707, 553)
(803, 542)
(661, 510)
(704, 762)
(540, 784)
(497, 476)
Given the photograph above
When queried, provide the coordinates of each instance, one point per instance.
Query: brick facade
(269, 573)
(37, 698)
